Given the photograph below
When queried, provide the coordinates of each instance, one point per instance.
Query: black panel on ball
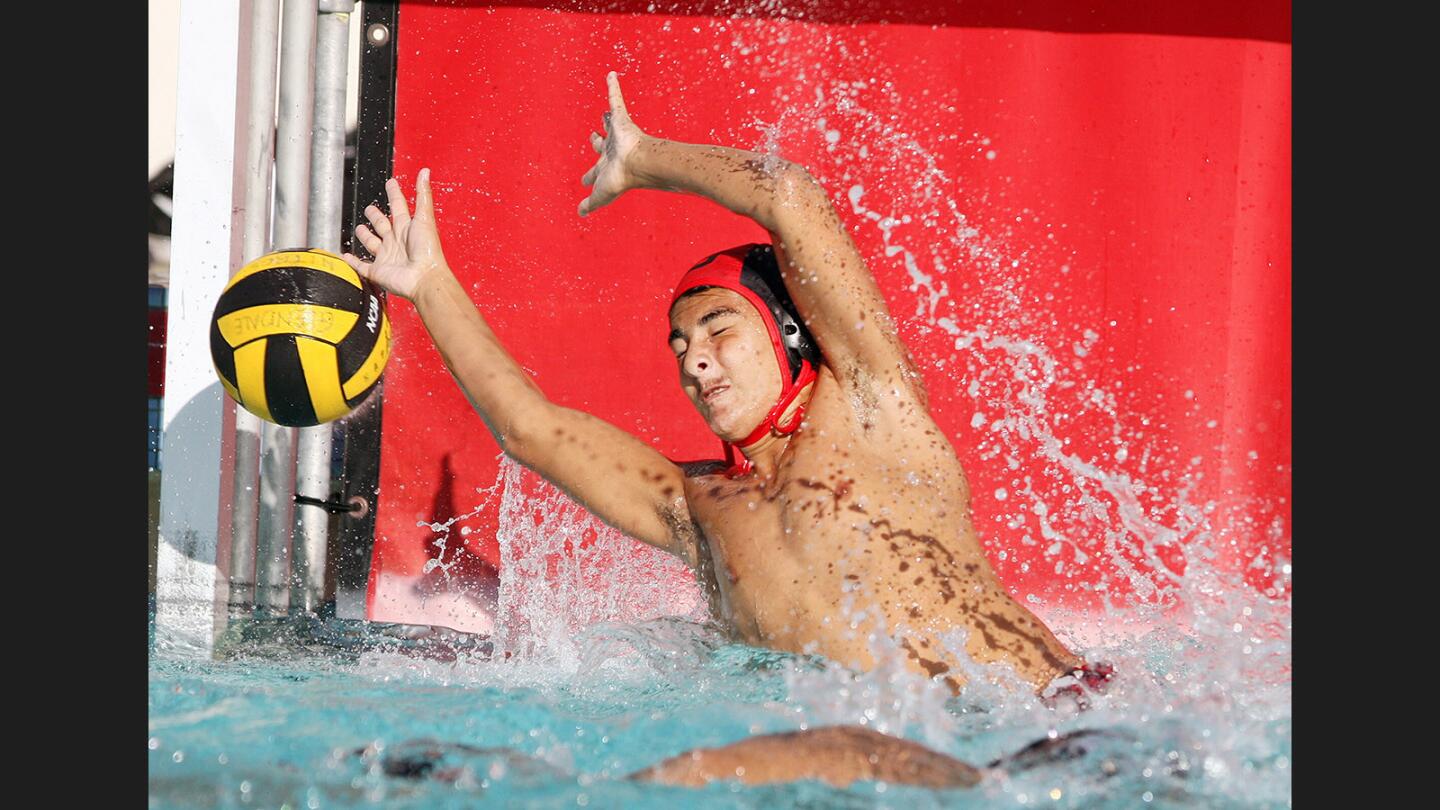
(285, 391)
(292, 285)
(355, 347)
(221, 353)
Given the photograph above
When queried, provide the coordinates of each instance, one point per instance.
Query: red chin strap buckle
(771, 422)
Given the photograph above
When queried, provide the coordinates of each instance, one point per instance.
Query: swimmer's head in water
(724, 313)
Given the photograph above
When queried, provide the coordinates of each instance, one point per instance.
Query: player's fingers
(379, 223)
(424, 199)
(368, 238)
(361, 267)
(399, 208)
(617, 101)
(598, 143)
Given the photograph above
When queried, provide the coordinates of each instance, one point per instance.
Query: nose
(697, 360)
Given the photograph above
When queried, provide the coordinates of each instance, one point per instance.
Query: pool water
(343, 714)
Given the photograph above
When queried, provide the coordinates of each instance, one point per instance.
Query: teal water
(280, 723)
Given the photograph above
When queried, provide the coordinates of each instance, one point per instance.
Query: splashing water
(1125, 531)
(565, 570)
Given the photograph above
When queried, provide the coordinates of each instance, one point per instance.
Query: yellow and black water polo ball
(299, 338)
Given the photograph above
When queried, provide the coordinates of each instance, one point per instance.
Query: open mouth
(709, 394)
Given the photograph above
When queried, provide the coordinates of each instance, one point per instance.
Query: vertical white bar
(205, 245)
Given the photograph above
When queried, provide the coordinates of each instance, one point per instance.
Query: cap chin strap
(771, 422)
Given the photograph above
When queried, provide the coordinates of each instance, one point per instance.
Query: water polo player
(841, 513)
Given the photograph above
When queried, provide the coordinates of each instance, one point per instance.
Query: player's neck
(765, 453)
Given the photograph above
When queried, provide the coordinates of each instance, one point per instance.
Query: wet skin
(862, 526)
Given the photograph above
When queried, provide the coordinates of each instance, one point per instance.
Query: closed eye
(678, 336)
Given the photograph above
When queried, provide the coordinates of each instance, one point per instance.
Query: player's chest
(753, 526)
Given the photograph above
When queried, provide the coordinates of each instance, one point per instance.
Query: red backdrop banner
(1080, 217)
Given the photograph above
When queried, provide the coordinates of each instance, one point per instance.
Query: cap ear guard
(797, 342)
(760, 273)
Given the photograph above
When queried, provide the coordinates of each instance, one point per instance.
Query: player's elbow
(798, 195)
(523, 433)
(794, 182)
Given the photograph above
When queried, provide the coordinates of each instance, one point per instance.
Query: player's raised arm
(619, 478)
(824, 273)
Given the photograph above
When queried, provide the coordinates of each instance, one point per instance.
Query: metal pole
(327, 174)
(292, 193)
(259, 157)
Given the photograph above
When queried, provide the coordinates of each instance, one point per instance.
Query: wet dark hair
(760, 272)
